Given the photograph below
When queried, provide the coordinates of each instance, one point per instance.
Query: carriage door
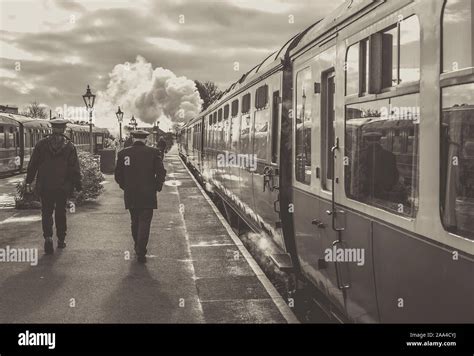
(328, 129)
(330, 218)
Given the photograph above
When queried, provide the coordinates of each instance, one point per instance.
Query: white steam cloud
(149, 94)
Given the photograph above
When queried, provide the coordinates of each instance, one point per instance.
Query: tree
(36, 110)
(208, 91)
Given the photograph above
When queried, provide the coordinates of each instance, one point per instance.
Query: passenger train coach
(353, 148)
(19, 135)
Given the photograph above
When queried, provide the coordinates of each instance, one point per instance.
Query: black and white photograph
(299, 173)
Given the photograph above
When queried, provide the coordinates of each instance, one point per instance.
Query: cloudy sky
(51, 49)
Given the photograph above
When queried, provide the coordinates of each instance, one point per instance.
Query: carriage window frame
(246, 104)
(261, 97)
(235, 108)
(451, 79)
(454, 214)
(395, 207)
(226, 111)
(456, 68)
(373, 69)
(302, 175)
(2, 137)
(362, 68)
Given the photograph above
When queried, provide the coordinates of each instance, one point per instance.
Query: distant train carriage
(19, 135)
(353, 154)
(10, 158)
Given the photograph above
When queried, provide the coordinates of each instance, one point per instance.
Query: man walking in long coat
(140, 173)
(55, 165)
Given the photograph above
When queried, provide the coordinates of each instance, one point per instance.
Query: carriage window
(235, 137)
(220, 129)
(245, 134)
(261, 97)
(235, 107)
(303, 126)
(381, 153)
(2, 137)
(357, 68)
(390, 57)
(457, 160)
(352, 69)
(9, 138)
(226, 112)
(409, 66)
(401, 53)
(246, 103)
(458, 38)
(262, 118)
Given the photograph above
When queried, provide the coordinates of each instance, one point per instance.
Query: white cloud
(169, 44)
(11, 52)
(5, 73)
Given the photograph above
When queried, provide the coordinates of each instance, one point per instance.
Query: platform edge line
(284, 309)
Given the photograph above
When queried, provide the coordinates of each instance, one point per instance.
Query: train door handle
(268, 178)
(340, 284)
(318, 223)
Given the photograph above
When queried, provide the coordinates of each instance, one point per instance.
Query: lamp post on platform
(119, 115)
(89, 100)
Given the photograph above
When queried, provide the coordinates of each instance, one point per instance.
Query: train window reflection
(235, 107)
(245, 134)
(2, 137)
(458, 38)
(235, 133)
(262, 119)
(409, 50)
(303, 126)
(381, 153)
(457, 160)
(401, 53)
(352, 70)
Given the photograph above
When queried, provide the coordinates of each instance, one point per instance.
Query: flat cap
(59, 123)
(139, 134)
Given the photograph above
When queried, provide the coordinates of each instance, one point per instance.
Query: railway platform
(198, 271)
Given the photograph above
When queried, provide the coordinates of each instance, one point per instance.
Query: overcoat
(55, 165)
(140, 174)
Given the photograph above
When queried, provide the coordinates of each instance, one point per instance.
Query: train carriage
(362, 127)
(9, 145)
(19, 134)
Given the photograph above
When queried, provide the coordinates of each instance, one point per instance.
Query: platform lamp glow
(155, 131)
(119, 115)
(89, 100)
(133, 122)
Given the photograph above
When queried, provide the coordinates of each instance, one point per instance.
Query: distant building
(9, 109)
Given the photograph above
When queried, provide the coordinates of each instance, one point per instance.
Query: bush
(91, 185)
(91, 179)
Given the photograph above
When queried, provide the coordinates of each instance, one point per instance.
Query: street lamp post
(119, 114)
(89, 100)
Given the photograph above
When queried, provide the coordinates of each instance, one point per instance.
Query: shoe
(141, 259)
(61, 244)
(48, 246)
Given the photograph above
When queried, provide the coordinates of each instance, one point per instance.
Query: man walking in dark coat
(140, 173)
(55, 165)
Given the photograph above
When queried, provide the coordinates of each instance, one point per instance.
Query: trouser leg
(134, 215)
(144, 223)
(47, 209)
(60, 215)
